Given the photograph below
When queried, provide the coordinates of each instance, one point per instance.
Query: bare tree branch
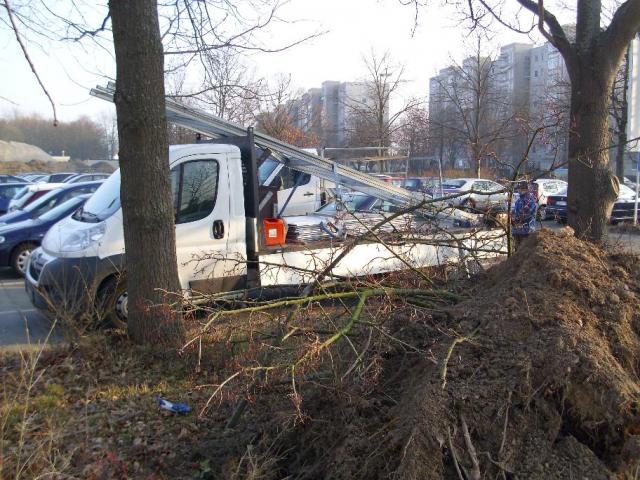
(28, 59)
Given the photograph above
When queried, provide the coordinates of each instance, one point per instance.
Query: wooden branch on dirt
(454, 456)
(475, 469)
(445, 365)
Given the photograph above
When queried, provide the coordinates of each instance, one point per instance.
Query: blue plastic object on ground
(173, 407)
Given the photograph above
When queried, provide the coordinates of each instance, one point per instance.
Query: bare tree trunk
(147, 208)
(592, 187)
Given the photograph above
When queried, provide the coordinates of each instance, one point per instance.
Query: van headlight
(83, 239)
(1, 239)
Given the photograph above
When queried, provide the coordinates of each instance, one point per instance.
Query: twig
(28, 59)
(475, 470)
(504, 428)
(443, 371)
(453, 455)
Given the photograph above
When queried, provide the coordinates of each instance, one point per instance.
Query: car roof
(36, 187)
(466, 179)
(16, 184)
(540, 180)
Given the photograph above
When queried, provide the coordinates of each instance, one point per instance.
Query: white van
(81, 262)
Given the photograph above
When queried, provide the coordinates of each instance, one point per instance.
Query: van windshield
(266, 169)
(103, 203)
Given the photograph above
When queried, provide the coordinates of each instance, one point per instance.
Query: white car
(482, 193)
(30, 193)
(545, 188)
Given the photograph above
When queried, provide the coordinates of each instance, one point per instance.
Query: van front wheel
(113, 303)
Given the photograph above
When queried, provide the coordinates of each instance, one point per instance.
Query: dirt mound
(537, 376)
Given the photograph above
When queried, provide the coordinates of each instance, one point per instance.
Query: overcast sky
(353, 27)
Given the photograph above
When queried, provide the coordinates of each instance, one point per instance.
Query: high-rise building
(330, 112)
(633, 99)
(526, 89)
(549, 107)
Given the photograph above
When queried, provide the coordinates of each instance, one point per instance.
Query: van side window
(194, 185)
(290, 177)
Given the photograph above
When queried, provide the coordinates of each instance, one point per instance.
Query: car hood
(14, 227)
(305, 220)
(13, 217)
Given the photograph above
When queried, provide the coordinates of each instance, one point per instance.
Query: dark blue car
(11, 179)
(7, 191)
(17, 240)
(48, 201)
(623, 207)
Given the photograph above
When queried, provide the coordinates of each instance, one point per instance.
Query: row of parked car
(31, 206)
(479, 194)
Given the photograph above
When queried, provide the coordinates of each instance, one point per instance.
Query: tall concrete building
(476, 109)
(331, 111)
(549, 98)
(633, 99)
(528, 89)
(307, 112)
(512, 74)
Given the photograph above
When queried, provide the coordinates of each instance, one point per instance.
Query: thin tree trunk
(145, 193)
(592, 186)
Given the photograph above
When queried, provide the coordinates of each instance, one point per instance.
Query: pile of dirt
(536, 376)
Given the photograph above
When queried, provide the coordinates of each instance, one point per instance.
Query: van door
(200, 187)
(304, 199)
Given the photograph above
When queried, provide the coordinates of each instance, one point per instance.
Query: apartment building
(528, 88)
(549, 99)
(331, 111)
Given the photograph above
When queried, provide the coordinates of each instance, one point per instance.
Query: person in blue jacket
(523, 216)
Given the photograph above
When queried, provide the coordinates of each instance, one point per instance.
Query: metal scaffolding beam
(209, 125)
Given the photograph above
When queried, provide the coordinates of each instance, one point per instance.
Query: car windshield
(59, 177)
(10, 191)
(21, 193)
(60, 210)
(351, 203)
(453, 183)
(103, 203)
(626, 192)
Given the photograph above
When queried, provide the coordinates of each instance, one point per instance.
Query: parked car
(47, 202)
(86, 177)
(56, 177)
(348, 214)
(7, 192)
(17, 240)
(543, 188)
(417, 184)
(622, 208)
(482, 194)
(10, 179)
(30, 193)
(32, 177)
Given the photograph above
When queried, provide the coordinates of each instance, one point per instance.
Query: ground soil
(533, 375)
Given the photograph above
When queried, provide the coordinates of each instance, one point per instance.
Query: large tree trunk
(592, 187)
(145, 193)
